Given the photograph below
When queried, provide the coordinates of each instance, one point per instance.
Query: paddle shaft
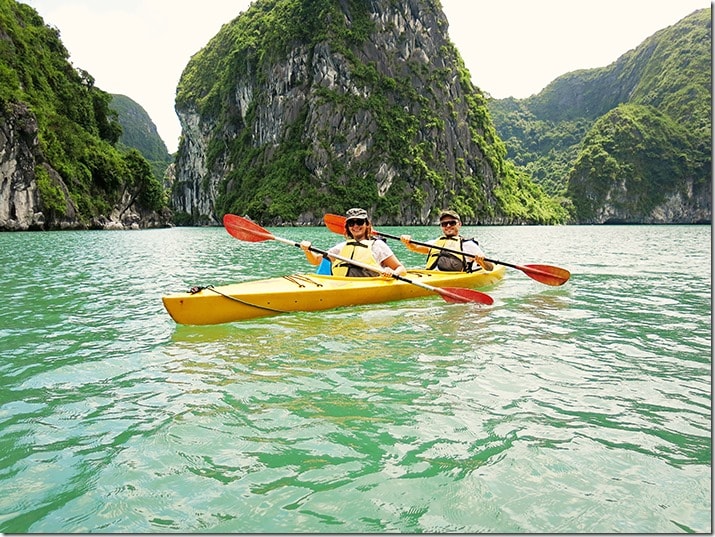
(428, 245)
(372, 268)
(444, 248)
(545, 274)
(459, 252)
(246, 230)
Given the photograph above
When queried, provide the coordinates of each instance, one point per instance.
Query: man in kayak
(360, 247)
(438, 259)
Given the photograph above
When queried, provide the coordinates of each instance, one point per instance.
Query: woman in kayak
(438, 259)
(360, 247)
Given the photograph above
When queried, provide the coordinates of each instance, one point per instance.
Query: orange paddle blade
(245, 230)
(335, 223)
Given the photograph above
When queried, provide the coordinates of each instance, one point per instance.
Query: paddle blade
(335, 223)
(245, 230)
(461, 295)
(546, 274)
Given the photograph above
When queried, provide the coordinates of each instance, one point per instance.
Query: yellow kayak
(310, 292)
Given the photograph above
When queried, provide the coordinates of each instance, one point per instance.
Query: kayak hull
(309, 292)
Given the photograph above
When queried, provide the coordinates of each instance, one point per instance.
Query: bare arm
(486, 265)
(407, 241)
(312, 257)
(475, 251)
(393, 263)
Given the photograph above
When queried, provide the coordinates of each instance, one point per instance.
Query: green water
(582, 408)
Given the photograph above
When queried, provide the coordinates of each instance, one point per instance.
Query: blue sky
(511, 47)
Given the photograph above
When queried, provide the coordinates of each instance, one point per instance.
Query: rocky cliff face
(391, 123)
(194, 189)
(19, 199)
(690, 205)
(21, 204)
(33, 195)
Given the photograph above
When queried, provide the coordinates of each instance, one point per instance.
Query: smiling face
(450, 226)
(357, 228)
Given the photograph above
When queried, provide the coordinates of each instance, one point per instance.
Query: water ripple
(583, 408)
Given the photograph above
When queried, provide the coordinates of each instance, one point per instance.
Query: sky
(512, 48)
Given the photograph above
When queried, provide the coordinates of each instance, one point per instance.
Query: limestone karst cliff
(297, 108)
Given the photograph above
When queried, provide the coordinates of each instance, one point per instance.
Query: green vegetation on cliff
(644, 121)
(139, 132)
(404, 104)
(78, 130)
(632, 159)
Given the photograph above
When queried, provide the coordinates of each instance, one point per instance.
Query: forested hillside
(139, 132)
(627, 143)
(301, 107)
(60, 139)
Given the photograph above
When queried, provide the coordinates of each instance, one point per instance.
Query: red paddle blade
(335, 223)
(245, 230)
(547, 274)
(461, 295)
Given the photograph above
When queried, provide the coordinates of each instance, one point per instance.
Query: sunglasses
(448, 223)
(356, 222)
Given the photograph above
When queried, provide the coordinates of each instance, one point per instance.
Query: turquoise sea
(573, 409)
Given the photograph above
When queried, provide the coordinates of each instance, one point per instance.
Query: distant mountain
(626, 143)
(139, 132)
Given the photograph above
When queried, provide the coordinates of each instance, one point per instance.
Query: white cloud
(139, 48)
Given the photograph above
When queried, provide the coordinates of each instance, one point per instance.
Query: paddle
(246, 230)
(546, 274)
